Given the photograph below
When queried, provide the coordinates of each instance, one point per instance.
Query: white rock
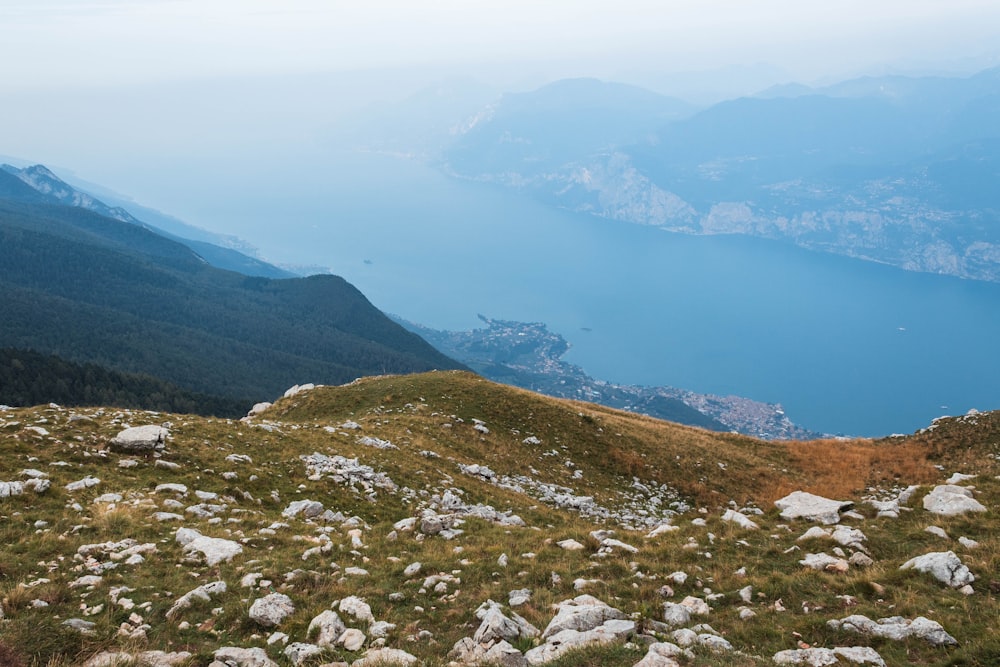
(234, 656)
(660, 654)
(676, 615)
(378, 657)
(944, 566)
(81, 484)
(825, 563)
(307, 508)
(271, 610)
(740, 519)
(299, 653)
(569, 545)
(896, 628)
(967, 543)
(951, 500)
(357, 608)
(582, 613)
(179, 489)
(203, 593)
(215, 549)
(958, 478)
(352, 639)
(329, 628)
(821, 657)
(140, 439)
(411, 569)
(802, 505)
(937, 531)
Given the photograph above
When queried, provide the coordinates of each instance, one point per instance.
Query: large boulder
(329, 628)
(820, 657)
(951, 500)
(802, 505)
(944, 566)
(139, 439)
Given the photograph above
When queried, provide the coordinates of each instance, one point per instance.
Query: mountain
(432, 518)
(528, 355)
(95, 289)
(30, 378)
(895, 170)
(56, 191)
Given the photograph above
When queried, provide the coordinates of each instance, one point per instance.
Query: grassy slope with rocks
(638, 471)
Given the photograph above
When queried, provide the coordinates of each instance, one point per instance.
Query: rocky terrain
(528, 355)
(441, 519)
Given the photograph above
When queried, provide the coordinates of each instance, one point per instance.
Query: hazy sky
(60, 42)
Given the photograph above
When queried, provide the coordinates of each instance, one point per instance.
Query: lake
(846, 346)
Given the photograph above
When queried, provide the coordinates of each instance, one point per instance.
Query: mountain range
(894, 170)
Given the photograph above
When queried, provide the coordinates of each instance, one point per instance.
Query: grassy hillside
(427, 439)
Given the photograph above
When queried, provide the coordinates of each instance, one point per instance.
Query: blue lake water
(845, 346)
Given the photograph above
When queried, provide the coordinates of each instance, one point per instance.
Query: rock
(937, 531)
(740, 519)
(357, 608)
(203, 593)
(233, 656)
(825, 563)
(139, 439)
(967, 543)
(518, 597)
(944, 566)
(820, 657)
(307, 508)
(951, 500)
(300, 652)
(896, 628)
(569, 545)
(582, 613)
(958, 478)
(849, 537)
(80, 625)
(143, 659)
(411, 569)
(8, 489)
(271, 610)
(329, 627)
(82, 484)
(215, 549)
(352, 640)
(802, 505)
(660, 654)
(258, 408)
(179, 489)
(559, 643)
(697, 606)
(298, 389)
(379, 657)
(676, 615)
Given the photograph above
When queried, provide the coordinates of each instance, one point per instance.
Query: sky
(102, 42)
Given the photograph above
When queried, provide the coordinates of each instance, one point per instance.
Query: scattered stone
(802, 505)
(299, 653)
(570, 545)
(582, 613)
(676, 615)
(203, 593)
(825, 563)
(357, 608)
(215, 549)
(740, 519)
(661, 654)
(937, 531)
(967, 543)
(820, 657)
(944, 566)
(142, 659)
(896, 628)
(140, 439)
(378, 657)
(329, 627)
(271, 610)
(951, 500)
(411, 569)
(82, 484)
(352, 640)
(307, 508)
(519, 597)
(233, 656)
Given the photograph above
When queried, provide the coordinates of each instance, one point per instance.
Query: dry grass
(845, 468)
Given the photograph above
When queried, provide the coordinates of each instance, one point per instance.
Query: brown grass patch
(845, 468)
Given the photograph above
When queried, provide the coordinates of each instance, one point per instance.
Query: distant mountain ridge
(53, 189)
(90, 288)
(896, 170)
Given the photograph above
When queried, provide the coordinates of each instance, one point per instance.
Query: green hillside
(94, 289)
